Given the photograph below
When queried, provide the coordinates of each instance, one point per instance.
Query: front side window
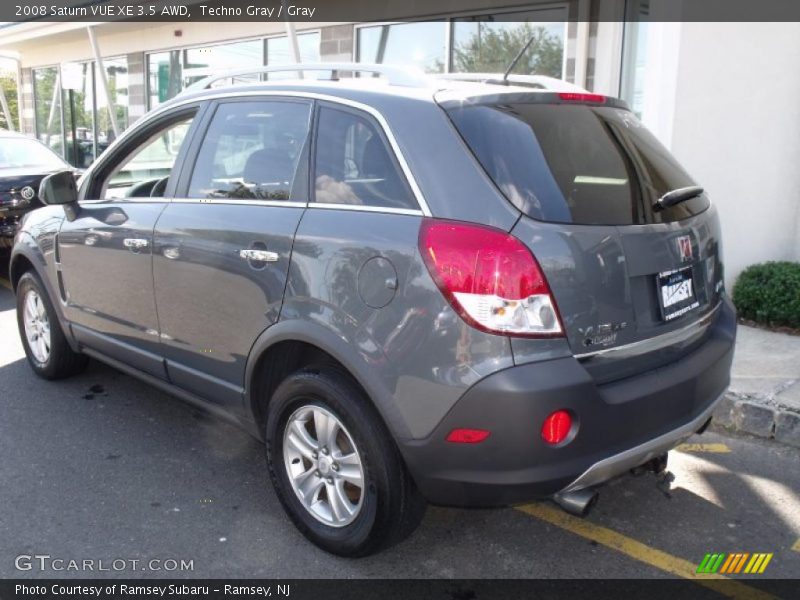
(251, 150)
(354, 165)
(145, 172)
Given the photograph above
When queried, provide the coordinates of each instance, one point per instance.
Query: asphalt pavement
(102, 467)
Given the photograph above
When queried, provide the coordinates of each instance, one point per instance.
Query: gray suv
(411, 289)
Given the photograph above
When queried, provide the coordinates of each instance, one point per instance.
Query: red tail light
(582, 97)
(556, 427)
(491, 279)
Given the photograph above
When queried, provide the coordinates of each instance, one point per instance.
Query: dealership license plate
(676, 293)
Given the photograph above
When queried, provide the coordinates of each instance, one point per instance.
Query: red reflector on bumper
(467, 436)
(556, 427)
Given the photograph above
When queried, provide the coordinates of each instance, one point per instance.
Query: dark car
(24, 161)
(410, 289)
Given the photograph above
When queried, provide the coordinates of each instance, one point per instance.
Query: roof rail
(409, 77)
(540, 81)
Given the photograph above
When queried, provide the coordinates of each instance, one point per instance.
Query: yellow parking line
(714, 448)
(5, 283)
(796, 546)
(642, 552)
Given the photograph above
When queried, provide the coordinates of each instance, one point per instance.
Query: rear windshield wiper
(677, 196)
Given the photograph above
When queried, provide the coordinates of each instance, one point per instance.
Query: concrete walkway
(764, 397)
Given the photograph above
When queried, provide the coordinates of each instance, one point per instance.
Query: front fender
(37, 248)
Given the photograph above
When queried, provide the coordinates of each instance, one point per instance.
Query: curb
(758, 416)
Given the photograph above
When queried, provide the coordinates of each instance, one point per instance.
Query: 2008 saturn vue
(412, 289)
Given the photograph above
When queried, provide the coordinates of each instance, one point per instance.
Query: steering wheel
(141, 189)
(159, 187)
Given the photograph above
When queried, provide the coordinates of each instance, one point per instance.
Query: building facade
(722, 96)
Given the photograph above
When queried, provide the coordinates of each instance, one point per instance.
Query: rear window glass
(575, 163)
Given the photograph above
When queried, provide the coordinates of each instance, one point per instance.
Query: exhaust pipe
(577, 503)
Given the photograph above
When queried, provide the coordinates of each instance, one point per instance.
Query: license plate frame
(676, 291)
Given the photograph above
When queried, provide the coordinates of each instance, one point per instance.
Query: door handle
(135, 243)
(258, 255)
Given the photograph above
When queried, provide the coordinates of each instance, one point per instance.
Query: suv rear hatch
(636, 287)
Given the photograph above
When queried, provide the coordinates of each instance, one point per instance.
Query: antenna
(516, 59)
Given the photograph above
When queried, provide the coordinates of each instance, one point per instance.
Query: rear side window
(251, 151)
(354, 165)
(575, 163)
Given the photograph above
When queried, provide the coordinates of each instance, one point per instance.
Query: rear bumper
(620, 425)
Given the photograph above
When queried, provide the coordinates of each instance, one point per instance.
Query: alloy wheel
(323, 465)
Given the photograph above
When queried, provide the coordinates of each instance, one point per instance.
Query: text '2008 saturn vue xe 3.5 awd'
(412, 289)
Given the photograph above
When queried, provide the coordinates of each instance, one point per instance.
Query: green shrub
(769, 293)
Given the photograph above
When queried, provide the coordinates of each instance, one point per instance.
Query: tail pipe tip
(577, 502)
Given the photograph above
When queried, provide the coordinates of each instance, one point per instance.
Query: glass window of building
(163, 76)
(635, 49)
(8, 82)
(278, 53)
(47, 102)
(117, 77)
(71, 117)
(210, 60)
(78, 97)
(172, 71)
(488, 44)
(421, 44)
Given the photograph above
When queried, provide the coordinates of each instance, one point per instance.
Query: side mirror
(59, 188)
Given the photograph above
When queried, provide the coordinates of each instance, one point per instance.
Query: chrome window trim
(253, 202)
(658, 341)
(424, 209)
(363, 208)
(279, 203)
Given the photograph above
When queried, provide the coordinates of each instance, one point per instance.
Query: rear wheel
(335, 468)
(46, 347)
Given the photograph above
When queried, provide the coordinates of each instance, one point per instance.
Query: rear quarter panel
(414, 355)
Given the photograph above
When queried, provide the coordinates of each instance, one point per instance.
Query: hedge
(769, 293)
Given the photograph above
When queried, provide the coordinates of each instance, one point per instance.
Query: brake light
(467, 436)
(490, 278)
(582, 97)
(556, 427)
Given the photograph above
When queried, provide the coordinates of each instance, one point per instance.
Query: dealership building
(722, 96)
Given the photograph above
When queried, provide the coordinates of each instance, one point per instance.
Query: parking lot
(103, 467)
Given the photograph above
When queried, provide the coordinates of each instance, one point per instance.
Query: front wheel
(335, 468)
(46, 347)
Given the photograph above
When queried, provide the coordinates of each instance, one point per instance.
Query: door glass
(145, 172)
(354, 165)
(251, 151)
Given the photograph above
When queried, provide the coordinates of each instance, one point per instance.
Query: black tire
(391, 508)
(62, 361)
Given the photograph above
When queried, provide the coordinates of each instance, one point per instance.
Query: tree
(491, 50)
